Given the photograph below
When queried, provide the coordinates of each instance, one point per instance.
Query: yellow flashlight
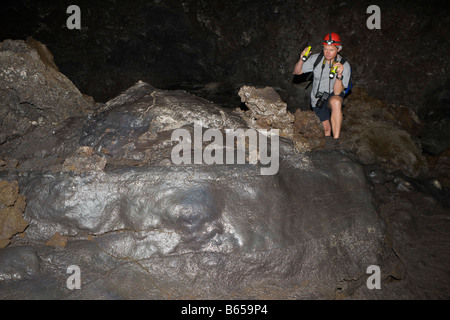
(305, 56)
(333, 72)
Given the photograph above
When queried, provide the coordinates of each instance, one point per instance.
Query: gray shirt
(326, 84)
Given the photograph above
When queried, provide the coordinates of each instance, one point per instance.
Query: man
(322, 83)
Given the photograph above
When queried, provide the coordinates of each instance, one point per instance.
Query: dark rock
(435, 138)
(160, 214)
(201, 229)
(40, 109)
(376, 134)
(19, 263)
(308, 131)
(84, 161)
(417, 231)
(441, 168)
(135, 128)
(435, 114)
(33, 92)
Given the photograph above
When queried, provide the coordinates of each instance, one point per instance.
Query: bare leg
(335, 104)
(327, 128)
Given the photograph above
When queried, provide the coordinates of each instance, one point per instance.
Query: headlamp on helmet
(332, 39)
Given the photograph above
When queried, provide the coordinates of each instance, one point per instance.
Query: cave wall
(192, 43)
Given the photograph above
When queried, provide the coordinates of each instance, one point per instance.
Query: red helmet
(332, 39)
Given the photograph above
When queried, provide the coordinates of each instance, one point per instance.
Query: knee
(335, 103)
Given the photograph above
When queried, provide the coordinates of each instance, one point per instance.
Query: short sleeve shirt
(322, 81)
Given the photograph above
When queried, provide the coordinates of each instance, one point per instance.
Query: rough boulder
(193, 231)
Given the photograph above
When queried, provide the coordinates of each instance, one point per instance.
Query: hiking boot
(336, 144)
(331, 143)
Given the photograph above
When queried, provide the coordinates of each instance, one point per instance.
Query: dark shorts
(325, 112)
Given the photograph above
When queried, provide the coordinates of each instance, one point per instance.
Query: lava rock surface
(103, 194)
